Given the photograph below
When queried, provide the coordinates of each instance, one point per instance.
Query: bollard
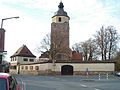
(87, 75)
(99, 76)
(107, 76)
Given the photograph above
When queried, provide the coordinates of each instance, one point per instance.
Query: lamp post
(2, 36)
(7, 19)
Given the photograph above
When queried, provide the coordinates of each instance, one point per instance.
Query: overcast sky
(86, 17)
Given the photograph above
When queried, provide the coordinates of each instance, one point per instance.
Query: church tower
(60, 33)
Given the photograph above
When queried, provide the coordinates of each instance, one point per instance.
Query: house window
(22, 67)
(31, 67)
(26, 67)
(59, 19)
(31, 60)
(11, 60)
(14, 58)
(25, 59)
(36, 68)
(13, 67)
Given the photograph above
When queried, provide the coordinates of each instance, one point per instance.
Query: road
(102, 82)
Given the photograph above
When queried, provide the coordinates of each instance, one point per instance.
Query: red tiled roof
(77, 56)
(24, 52)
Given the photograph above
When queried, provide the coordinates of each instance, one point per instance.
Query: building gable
(24, 52)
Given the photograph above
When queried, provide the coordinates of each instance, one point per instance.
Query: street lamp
(7, 19)
(2, 36)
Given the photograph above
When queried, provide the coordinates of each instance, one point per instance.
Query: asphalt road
(102, 82)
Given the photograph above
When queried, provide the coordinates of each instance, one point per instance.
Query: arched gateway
(67, 70)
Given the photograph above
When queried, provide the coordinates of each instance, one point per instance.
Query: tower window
(59, 19)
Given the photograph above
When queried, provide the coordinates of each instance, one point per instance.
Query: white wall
(84, 66)
(77, 67)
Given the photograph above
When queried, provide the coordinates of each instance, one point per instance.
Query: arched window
(59, 19)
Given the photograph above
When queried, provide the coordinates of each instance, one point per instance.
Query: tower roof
(61, 11)
(24, 52)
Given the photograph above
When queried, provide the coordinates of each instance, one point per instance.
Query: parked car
(117, 73)
(8, 82)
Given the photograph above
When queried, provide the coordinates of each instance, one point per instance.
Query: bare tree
(113, 40)
(117, 60)
(106, 40)
(100, 42)
(85, 50)
(88, 49)
(59, 49)
(55, 47)
(92, 50)
(77, 47)
(45, 43)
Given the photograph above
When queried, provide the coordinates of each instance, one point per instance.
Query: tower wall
(63, 19)
(60, 34)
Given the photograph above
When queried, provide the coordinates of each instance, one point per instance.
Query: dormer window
(59, 19)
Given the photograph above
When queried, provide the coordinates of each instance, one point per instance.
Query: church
(60, 59)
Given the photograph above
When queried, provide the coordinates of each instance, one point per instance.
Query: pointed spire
(61, 11)
(61, 6)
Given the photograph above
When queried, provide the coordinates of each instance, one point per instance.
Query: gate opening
(67, 70)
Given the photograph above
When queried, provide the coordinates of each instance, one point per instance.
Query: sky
(86, 17)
